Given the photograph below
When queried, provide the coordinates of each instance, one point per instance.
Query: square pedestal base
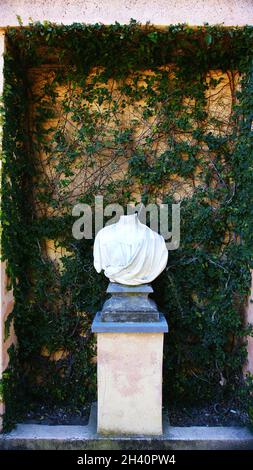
(130, 383)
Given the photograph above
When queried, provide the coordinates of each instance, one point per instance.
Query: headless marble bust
(129, 252)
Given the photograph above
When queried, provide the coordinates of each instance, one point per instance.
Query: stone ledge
(42, 437)
(99, 326)
(123, 289)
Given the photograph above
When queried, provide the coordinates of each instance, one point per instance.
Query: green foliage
(125, 110)
(246, 395)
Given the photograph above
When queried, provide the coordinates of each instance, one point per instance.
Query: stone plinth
(129, 303)
(129, 364)
(130, 383)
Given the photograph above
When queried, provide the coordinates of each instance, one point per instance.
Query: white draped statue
(129, 252)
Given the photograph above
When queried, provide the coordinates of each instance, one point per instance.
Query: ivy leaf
(153, 37)
(100, 100)
(208, 39)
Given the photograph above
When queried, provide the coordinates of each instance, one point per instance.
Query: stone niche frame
(158, 12)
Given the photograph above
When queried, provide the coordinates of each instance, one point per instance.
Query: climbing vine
(133, 113)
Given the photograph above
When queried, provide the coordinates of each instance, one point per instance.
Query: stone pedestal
(129, 303)
(129, 362)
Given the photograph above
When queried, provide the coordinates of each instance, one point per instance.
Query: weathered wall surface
(129, 380)
(160, 12)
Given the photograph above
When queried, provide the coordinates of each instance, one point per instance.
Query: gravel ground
(43, 414)
(213, 414)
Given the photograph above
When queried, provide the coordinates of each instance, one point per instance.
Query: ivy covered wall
(133, 113)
